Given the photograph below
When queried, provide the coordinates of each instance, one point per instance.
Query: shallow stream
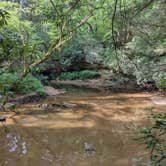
(95, 129)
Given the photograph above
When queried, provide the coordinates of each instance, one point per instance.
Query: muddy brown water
(39, 135)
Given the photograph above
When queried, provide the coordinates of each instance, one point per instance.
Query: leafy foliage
(3, 17)
(154, 139)
(28, 84)
(162, 84)
(128, 36)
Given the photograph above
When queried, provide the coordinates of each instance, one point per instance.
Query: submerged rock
(69, 105)
(89, 148)
(49, 106)
(48, 156)
(30, 97)
(158, 100)
(24, 148)
(52, 91)
(2, 119)
(13, 143)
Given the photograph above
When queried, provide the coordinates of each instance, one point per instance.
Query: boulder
(30, 97)
(69, 105)
(52, 91)
(10, 106)
(89, 148)
(2, 119)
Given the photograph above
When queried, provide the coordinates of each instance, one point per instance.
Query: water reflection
(12, 142)
(99, 131)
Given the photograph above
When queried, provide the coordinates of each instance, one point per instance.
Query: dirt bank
(100, 84)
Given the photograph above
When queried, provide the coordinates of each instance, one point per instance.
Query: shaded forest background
(43, 40)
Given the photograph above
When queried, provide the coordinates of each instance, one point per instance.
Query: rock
(10, 106)
(89, 148)
(50, 106)
(43, 105)
(2, 119)
(149, 86)
(52, 91)
(2, 108)
(159, 100)
(69, 105)
(31, 97)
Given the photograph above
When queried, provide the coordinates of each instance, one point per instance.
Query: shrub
(162, 84)
(153, 138)
(85, 74)
(28, 84)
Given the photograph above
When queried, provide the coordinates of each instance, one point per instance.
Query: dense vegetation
(126, 36)
(154, 139)
(73, 39)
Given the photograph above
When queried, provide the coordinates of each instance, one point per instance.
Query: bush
(86, 74)
(154, 139)
(28, 84)
(162, 84)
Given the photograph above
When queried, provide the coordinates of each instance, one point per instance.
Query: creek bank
(108, 80)
(34, 96)
(30, 97)
(92, 83)
(23, 99)
(98, 84)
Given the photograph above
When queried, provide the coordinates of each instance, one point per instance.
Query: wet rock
(2, 119)
(13, 143)
(149, 86)
(89, 148)
(56, 105)
(48, 156)
(48, 106)
(24, 148)
(69, 105)
(44, 106)
(33, 96)
(10, 106)
(52, 91)
(2, 108)
(159, 100)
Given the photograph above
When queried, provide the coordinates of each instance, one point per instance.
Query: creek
(98, 129)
